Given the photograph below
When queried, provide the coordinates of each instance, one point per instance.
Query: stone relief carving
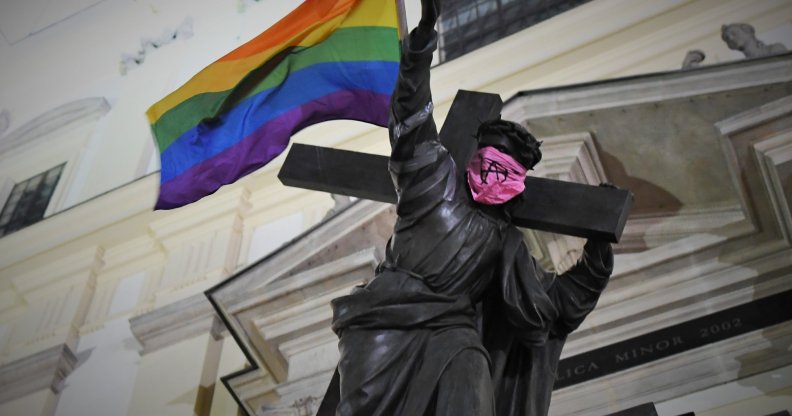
(742, 37)
(148, 44)
(693, 59)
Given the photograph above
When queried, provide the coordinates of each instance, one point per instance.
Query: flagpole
(403, 31)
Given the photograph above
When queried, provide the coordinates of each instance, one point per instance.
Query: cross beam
(555, 206)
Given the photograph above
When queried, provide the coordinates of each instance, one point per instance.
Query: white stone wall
(107, 366)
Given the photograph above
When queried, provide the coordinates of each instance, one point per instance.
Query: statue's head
(511, 138)
(737, 35)
(506, 151)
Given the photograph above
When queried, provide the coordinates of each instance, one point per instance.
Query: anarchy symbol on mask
(489, 166)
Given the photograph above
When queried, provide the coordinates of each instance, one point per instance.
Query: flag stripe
(300, 30)
(205, 141)
(366, 13)
(267, 142)
(379, 45)
(327, 60)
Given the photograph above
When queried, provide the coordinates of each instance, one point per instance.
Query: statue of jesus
(459, 319)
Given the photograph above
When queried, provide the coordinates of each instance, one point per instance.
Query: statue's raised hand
(424, 33)
(430, 11)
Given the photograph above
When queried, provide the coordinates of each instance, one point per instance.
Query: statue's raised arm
(411, 119)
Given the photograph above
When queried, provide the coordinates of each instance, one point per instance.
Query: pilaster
(56, 299)
(202, 244)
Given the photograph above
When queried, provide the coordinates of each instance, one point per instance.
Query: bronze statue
(460, 319)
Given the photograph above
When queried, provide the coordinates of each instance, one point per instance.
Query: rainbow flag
(327, 60)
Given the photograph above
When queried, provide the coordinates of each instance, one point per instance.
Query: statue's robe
(457, 277)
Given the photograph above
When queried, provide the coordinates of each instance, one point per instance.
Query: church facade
(222, 307)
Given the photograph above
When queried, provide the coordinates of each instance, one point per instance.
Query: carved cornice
(250, 388)
(772, 153)
(172, 228)
(80, 265)
(176, 322)
(234, 291)
(45, 369)
(648, 88)
(756, 116)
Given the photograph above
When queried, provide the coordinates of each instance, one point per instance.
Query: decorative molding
(123, 258)
(753, 117)
(45, 369)
(35, 131)
(57, 297)
(289, 312)
(86, 262)
(191, 220)
(297, 253)
(770, 154)
(571, 157)
(642, 233)
(149, 44)
(175, 322)
(648, 88)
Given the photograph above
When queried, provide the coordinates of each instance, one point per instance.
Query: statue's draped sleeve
(576, 291)
(525, 357)
(411, 121)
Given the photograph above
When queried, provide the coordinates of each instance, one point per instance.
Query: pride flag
(327, 60)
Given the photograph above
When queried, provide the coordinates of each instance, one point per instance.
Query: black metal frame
(28, 200)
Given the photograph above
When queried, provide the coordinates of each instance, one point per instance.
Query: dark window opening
(28, 201)
(467, 25)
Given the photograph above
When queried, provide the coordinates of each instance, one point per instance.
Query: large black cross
(551, 205)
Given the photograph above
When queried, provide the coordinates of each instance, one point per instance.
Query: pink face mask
(495, 177)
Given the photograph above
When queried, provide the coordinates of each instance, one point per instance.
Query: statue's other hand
(430, 12)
